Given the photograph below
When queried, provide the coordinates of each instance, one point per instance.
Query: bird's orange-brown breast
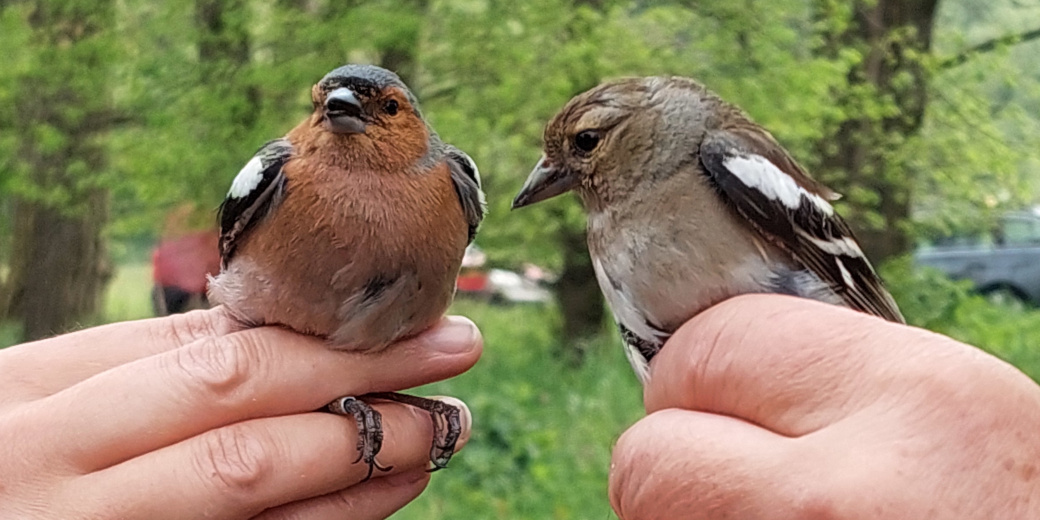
(352, 222)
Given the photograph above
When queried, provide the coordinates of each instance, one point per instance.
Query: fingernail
(453, 335)
(465, 416)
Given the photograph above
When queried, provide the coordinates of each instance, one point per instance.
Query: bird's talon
(370, 431)
(447, 426)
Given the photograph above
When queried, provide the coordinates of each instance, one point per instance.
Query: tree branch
(987, 46)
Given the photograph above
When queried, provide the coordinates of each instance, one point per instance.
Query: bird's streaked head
(605, 140)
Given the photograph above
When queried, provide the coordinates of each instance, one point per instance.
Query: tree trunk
(58, 262)
(884, 103)
(578, 295)
(60, 266)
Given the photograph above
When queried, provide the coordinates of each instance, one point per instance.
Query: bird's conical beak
(545, 182)
(344, 113)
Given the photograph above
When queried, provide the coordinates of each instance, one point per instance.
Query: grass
(128, 297)
(542, 430)
(129, 294)
(9, 334)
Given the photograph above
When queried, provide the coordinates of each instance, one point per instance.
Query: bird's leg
(447, 425)
(370, 430)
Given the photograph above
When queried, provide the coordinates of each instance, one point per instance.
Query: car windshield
(1019, 231)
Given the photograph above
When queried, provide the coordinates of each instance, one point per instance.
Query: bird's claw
(447, 424)
(446, 430)
(370, 430)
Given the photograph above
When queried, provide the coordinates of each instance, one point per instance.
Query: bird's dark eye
(391, 107)
(586, 141)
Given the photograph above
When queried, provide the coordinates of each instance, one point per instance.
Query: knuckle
(814, 503)
(192, 326)
(818, 481)
(220, 365)
(237, 459)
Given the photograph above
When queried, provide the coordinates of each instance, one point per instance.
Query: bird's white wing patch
(248, 179)
(793, 217)
(459, 154)
(476, 176)
(472, 166)
(846, 276)
(843, 245)
(760, 173)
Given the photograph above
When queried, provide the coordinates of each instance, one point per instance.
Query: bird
(352, 227)
(690, 202)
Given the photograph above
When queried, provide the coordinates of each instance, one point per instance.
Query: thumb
(685, 464)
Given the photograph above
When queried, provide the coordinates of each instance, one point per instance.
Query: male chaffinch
(690, 202)
(353, 227)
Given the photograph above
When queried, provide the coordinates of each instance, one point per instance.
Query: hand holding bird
(352, 227)
(689, 203)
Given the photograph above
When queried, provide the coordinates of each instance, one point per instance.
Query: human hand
(190, 417)
(769, 406)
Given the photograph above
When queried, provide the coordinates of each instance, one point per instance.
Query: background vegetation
(924, 113)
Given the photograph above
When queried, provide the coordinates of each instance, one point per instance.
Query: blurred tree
(501, 71)
(58, 264)
(920, 137)
(975, 156)
(882, 104)
(223, 41)
(872, 151)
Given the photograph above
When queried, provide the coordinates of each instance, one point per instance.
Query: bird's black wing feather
(254, 193)
(769, 190)
(466, 179)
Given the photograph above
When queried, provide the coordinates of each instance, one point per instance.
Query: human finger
(373, 500)
(41, 368)
(684, 464)
(794, 365)
(243, 469)
(157, 401)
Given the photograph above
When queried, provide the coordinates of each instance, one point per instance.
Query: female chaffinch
(689, 203)
(353, 227)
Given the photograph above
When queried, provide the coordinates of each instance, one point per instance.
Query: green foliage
(932, 301)
(55, 81)
(490, 74)
(129, 295)
(976, 155)
(10, 334)
(542, 431)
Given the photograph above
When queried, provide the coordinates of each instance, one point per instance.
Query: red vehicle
(179, 269)
(473, 278)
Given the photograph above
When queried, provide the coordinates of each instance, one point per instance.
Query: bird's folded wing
(256, 190)
(766, 187)
(466, 179)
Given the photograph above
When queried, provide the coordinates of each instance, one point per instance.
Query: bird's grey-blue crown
(363, 79)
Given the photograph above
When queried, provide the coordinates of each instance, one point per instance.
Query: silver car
(1003, 264)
